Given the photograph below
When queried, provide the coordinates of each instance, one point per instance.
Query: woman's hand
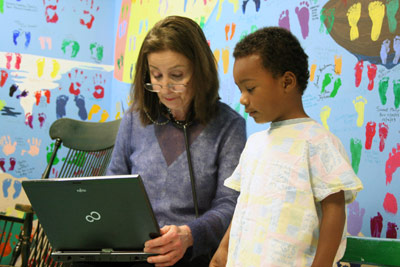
(171, 245)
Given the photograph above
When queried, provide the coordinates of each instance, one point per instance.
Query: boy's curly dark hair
(279, 50)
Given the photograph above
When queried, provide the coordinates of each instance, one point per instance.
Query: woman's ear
(289, 81)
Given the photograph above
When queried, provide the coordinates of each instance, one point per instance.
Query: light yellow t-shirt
(283, 175)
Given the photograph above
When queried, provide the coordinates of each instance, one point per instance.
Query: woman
(175, 132)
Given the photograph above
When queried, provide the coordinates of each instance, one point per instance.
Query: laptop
(90, 219)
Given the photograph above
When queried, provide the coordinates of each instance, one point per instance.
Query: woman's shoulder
(130, 119)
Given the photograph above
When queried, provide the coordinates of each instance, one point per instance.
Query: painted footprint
(376, 225)
(383, 132)
(355, 150)
(6, 186)
(383, 86)
(41, 118)
(385, 48)
(17, 189)
(40, 66)
(29, 120)
(376, 11)
(284, 21)
(327, 80)
(313, 68)
(93, 110)
(370, 130)
(391, 9)
(359, 105)
(324, 115)
(4, 76)
(338, 65)
(327, 18)
(396, 92)
(2, 163)
(12, 164)
(396, 48)
(80, 103)
(336, 86)
(303, 14)
(353, 16)
(371, 75)
(359, 69)
(390, 203)
(61, 102)
(392, 163)
(391, 229)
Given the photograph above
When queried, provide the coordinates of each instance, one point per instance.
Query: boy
(294, 178)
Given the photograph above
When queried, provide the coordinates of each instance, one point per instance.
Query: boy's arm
(221, 255)
(331, 229)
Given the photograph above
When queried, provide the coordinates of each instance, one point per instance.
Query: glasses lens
(152, 87)
(178, 87)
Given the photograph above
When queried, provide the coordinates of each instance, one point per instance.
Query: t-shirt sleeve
(331, 170)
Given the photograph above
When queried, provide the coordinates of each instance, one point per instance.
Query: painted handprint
(51, 9)
(77, 79)
(8, 146)
(99, 83)
(88, 10)
(33, 147)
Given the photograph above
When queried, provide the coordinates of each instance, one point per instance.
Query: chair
(372, 251)
(90, 146)
(15, 234)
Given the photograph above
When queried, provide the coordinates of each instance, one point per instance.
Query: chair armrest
(24, 207)
(372, 250)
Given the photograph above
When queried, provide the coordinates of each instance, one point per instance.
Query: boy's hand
(219, 259)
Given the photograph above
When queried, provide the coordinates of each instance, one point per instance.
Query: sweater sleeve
(119, 163)
(209, 228)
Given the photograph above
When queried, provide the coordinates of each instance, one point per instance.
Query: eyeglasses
(155, 88)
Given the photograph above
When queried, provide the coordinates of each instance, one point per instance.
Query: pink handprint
(8, 146)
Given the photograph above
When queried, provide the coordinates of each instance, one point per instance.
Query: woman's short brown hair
(184, 36)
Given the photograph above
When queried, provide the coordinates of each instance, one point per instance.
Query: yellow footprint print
(359, 105)
(104, 116)
(95, 109)
(40, 66)
(353, 16)
(324, 115)
(225, 59)
(376, 12)
(56, 68)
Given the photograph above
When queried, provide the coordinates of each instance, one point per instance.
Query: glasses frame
(171, 86)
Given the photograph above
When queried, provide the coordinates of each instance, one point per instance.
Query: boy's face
(262, 95)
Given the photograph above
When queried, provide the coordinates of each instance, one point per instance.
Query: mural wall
(74, 59)
(354, 88)
(56, 60)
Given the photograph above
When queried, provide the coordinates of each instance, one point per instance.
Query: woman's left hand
(171, 245)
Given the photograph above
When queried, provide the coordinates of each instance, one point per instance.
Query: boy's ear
(289, 81)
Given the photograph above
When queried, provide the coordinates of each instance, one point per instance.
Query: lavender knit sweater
(157, 153)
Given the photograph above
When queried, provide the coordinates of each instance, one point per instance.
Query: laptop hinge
(107, 250)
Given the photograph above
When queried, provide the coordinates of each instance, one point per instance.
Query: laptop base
(100, 256)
